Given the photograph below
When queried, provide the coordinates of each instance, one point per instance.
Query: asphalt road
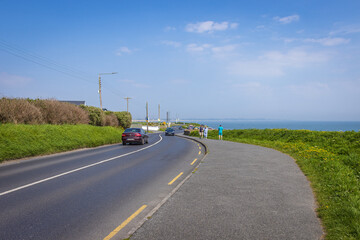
(240, 191)
(99, 193)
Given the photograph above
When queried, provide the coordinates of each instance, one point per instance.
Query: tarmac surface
(239, 191)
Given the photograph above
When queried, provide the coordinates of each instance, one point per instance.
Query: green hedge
(124, 119)
(96, 116)
(20, 140)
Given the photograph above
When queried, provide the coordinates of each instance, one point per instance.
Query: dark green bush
(96, 115)
(124, 119)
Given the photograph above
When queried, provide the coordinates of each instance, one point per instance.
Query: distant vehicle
(134, 135)
(169, 132)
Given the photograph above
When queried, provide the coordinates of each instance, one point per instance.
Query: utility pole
(167, 119)
(147, 117)
(100, 92)
(127, 103)
(159, 114)
(100, 86)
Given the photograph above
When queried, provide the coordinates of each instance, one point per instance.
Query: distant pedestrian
(220, 132)
(206, 129)
(201, 131)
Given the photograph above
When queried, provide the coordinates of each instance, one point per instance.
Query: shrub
(111, 119)
(124, 119)
(96, 115)
(19, 111)
(55, 112)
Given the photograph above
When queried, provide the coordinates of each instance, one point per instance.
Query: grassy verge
(18, 141)
(330, 160)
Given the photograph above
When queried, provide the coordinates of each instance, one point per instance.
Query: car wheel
(124, 143)
(147, 140)
(142, 141)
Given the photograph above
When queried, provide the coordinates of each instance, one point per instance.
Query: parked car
(169, 132)
(135, 135)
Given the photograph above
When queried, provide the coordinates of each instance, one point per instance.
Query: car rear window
(132, 130)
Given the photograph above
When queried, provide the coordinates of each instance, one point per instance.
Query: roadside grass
(330, 160)
(20, 140)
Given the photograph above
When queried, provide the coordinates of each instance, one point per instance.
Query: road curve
(99, 193)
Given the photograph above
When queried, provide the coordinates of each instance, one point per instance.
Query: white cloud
(308, 89)
(197, 48)
(344, 30)
(123, 50)
(172, 43)
(13, 80)
(294, 57)
(288, 19)
(169, 28)
(300, 31)
(255, 69)
(289, 40)
(328, 41)
(275, 63)
(209, 26)
(233, 25)
(223, 49)
(217, 51)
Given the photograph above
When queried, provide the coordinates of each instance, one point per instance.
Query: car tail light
(123, 135)
(137, 135)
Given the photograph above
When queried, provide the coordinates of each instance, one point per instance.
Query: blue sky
(288, 60)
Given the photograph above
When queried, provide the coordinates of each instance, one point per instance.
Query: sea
(278, 124)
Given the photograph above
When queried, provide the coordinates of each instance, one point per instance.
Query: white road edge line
(77, 169)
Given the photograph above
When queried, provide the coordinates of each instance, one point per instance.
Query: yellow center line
(199, 152)
(172, 181)
(116, 230)
(194, 161)
(200, 148)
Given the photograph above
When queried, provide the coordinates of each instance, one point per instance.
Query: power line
(39, 60)
(44, 65)
(30, 54)
(47, 63)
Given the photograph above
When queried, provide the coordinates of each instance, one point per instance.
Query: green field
(330, 160)
(19, 141)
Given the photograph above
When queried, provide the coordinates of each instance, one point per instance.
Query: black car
(169, 132)
(135, 135)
